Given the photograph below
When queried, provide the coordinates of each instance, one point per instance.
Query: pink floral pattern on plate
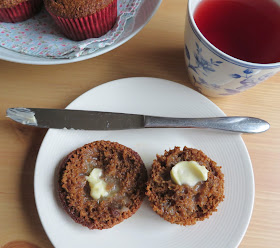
(39, 36)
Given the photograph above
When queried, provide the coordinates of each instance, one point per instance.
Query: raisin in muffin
(182, 204)
(123, 173)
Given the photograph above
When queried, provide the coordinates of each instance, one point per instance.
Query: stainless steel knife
(96, 120)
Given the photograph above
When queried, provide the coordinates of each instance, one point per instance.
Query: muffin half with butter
(185, 186)
(101, 184)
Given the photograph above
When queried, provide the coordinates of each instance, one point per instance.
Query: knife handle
(235, 124)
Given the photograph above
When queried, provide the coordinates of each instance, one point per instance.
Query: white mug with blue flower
(215, 73)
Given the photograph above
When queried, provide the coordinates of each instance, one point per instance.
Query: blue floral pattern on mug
(203, 68)
(247, 81)
(202, 64)
(201, 81)
(215, 73)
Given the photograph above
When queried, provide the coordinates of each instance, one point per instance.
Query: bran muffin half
(83, 19)
(182, 204)
(18, 10)
(123, 171)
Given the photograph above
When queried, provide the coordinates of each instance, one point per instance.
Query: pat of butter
(188, 172)
(97, 185)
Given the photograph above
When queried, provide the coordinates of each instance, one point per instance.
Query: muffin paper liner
(40, 36)
(92, 26)
(20, 12)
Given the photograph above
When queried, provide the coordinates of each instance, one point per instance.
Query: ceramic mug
(215, 73)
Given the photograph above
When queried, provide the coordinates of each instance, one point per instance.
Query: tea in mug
(245, 29)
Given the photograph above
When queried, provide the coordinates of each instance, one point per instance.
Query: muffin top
(122, 170)
(10, 3)
(75, 8)
(182, 204)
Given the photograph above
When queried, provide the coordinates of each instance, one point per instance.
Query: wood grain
(20, 244)
(157, 51)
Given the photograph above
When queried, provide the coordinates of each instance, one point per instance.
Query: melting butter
(97, 185)
(188, 172)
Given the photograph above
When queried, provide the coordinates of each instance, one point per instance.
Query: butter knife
(96, 120)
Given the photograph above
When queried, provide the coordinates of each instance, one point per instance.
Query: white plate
(143, 16)
(150, 96)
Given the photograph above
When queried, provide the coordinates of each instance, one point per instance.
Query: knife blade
(97, 120)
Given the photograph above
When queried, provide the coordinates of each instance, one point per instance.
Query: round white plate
(149, 96)
(143, 16)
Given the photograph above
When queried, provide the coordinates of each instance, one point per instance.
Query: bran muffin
(182, 204)
(18, 10)
(123, 171)
(83, 19)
